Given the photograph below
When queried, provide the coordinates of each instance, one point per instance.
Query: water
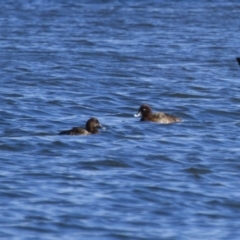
(63, 62)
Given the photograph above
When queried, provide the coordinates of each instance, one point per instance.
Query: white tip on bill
(137, 115)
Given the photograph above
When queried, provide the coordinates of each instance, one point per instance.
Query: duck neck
(93, 131)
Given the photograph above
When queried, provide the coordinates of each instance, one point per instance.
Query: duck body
(92, 126)
(146, 114)
(75, 131)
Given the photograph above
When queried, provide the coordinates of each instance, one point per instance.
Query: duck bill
(137, 114)
(101, 126)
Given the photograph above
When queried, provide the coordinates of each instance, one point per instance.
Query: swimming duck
(91, 128)
(146, 114)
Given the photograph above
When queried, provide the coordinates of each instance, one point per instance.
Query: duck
(146, 114)
(92, 126)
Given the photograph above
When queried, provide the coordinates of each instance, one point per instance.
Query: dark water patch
(197, 171)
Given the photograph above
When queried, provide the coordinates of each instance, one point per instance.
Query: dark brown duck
(146, 114)
(92, 126)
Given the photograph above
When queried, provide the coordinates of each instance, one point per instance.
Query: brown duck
(146, 114)
(92, 126)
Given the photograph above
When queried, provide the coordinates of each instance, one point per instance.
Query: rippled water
(63, 62)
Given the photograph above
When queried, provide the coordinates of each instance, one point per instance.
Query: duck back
(75, 131)
(161, 117)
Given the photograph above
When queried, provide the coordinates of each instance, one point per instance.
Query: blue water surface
(65, 61)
